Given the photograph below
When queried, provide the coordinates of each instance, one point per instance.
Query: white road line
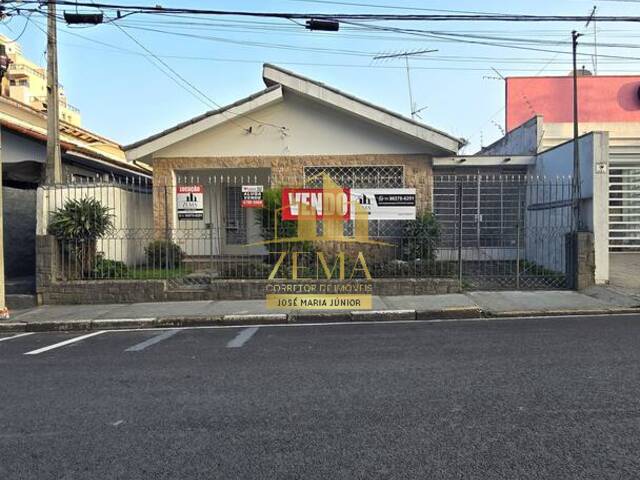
(152, 341)
(16, 336)
(66, 342)
(242, 337)
(378, 323)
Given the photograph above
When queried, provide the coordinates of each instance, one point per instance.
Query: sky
(109, 74)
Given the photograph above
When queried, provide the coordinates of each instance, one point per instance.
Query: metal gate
(488, 231)
(624, 207)
(504, 231)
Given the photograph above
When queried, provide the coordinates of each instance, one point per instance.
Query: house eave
(442, 143)
(144, 149)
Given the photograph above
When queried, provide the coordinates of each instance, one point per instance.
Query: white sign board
(190, 202)
(252, 196)
(385, 203)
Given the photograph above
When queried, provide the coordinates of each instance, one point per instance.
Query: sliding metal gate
(504, 231)
(624, 206)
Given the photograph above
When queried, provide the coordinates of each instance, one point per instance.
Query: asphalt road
(504, 399)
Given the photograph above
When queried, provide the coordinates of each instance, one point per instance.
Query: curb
(559, 313)
(293, 318)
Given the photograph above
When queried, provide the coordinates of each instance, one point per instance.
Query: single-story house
(289, 132)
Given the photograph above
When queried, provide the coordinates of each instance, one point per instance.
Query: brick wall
(285, 171)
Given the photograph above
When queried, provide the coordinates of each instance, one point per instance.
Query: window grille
(369, 176)
(236, 224)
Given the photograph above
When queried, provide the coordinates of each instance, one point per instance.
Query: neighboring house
(283, 135)
(539, 118)
(86, 157)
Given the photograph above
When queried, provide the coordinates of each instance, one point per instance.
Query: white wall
(327, 132)
(552, 166)
(132, 217)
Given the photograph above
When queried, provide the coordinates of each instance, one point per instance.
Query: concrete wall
(602, 98)
(327, 131)
(19, 211)
(522, 140)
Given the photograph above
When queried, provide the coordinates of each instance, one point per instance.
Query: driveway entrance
(624, 270)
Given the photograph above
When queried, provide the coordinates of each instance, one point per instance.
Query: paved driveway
(624, 270)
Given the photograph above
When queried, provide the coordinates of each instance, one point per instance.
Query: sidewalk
(597, 300)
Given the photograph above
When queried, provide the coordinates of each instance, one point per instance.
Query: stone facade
(285, 171)
(140, 291)
(581, 263)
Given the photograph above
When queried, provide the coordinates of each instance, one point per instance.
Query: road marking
(66, 342)
(378, 323)
(242, 337)
(152, 341)
(16, 336)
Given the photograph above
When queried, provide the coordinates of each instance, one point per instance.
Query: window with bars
(365, 176)
(372, 176)
(236, 221)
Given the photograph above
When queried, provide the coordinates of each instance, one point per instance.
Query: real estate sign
(252, 196)
(386, 203)
(190, 202)
(377, 203)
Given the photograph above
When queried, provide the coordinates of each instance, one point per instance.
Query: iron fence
(488, 232)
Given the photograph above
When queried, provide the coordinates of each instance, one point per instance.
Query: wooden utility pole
(53, 169)
(576, 190)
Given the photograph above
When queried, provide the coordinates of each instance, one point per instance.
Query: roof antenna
(412, 106)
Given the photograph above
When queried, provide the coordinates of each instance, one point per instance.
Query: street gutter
(458, 313)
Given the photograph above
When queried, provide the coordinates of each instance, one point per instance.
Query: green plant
(84, 219)
(272, 226)
(106, 268)
(422, 236)
(163, 254)
(78, 224)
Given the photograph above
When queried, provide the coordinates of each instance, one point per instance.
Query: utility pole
(576, 187)
(53, 168)
(4, 311)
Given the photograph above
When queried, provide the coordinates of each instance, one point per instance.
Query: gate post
(580, 260)
(459, 185)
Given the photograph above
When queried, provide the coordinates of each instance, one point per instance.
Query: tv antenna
(413, 108)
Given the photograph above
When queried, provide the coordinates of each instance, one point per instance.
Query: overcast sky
(123, 96)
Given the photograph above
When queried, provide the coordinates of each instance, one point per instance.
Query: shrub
(422, 238)
(164, 254)
(78, 224)
(271, 211)
(106, 268)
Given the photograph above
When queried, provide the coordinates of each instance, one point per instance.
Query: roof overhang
(484, 160)
(144, 149)
(441, 142)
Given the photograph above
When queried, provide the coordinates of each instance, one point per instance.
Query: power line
(196, 89)
(349, 16)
